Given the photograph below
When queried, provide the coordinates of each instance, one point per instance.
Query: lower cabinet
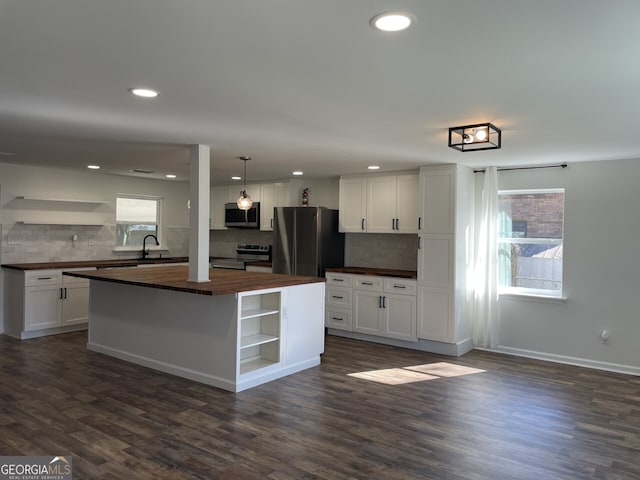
(38, 301)
(373, 305)
(260, 321)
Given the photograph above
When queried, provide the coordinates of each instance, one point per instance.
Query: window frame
(510, 291)
(159, 222)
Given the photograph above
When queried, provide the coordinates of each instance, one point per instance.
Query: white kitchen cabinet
(286, 193)
(42, 302)
(219, 196)
(445, 255)
(339, 301)
(372, 305)
(352, 209)
(379, 204)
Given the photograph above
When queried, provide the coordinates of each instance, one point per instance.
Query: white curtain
(485, 295)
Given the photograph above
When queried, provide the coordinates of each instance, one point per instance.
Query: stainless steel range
(246, 252)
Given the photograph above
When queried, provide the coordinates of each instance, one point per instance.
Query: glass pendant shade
(244, 201)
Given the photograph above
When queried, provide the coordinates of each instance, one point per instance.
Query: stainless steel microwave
(236, 218)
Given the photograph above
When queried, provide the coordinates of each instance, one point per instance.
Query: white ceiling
(309, 85)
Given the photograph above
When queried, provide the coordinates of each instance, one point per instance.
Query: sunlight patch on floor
(415, 373)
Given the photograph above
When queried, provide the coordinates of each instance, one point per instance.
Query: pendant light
(244, 201)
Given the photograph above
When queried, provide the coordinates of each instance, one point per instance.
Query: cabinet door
(267, 202)
(366, 312)
(75, 304)
(218, 199)
(437, 189)
(381, 204)
(353, 205)
(338, 318)
(407, 203)
(435, 315)
(42, 307)
(399, 317)
(436, 260)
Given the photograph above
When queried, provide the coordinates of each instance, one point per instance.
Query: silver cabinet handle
(397, 224)
(419, 223)
(65, 292)
(61, 297)
(338, 297)
(44, 278)
(337, 318)
(337, 279)
(399, 286)
(384, 302)
(362, 225)
(379, 302)
(367, 283)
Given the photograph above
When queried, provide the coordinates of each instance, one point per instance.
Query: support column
(199, 188)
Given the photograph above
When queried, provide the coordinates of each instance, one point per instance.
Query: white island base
(233, 342)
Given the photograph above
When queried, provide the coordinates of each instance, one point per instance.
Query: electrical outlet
(604, 336)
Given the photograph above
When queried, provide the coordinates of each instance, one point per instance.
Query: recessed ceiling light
(391, 21)
(93, 167)
(170, 175)
(373, 167)
(236, 178)
(297, 172)
(144, 92)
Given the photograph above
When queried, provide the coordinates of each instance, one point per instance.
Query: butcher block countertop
(381, 272)
(222, 281)
(132, 262)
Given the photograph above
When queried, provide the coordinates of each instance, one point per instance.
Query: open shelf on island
(260, 324)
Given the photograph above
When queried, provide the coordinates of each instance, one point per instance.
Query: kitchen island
(238, 330)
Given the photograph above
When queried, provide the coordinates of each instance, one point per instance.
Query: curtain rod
(505, 169)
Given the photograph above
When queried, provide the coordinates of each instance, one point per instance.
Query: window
(531, 225)
(136, 217)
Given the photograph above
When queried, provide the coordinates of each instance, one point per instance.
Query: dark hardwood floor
(515, 419)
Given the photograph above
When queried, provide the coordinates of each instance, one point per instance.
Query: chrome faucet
(145, 252)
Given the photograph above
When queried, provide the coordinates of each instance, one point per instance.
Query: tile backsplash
(381, 250)
(23, 243)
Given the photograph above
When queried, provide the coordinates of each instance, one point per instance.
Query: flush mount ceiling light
(392, 21)
(144, 92)
(297, 173)
(373, 167)
(93, 167)
(244, 201)
(170, 175)
(236, 178)
(481, 136)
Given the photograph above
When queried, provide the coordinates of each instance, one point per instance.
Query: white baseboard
(580, 362)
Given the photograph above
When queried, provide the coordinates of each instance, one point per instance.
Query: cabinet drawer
(369, 283)
(339, 297)
(339, 279)
(338, 318)
(399, 286)
(42, 277)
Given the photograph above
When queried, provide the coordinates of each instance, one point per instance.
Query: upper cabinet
(270, 195)
(437, 199)
(287, 193)
(379, 204)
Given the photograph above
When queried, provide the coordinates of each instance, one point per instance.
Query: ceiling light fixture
(170, 175)
(144, 92)
(297, 173)
(93, 167)
(236, 178)
(373, 167)
(392, 21)
(244, 201)
(480, 136)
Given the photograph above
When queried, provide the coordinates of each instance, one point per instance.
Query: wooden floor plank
(481, 416)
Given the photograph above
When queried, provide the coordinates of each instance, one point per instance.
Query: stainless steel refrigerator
(306, 241)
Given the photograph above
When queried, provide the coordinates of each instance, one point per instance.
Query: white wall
(601, 270)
